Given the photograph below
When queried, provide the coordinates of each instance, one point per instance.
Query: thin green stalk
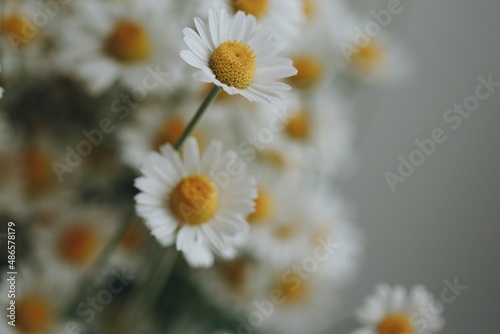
(210, 97)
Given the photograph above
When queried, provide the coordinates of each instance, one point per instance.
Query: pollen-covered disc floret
(230, 52)
(193, 202)
(233, 64)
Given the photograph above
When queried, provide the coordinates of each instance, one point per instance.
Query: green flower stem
(210, 97)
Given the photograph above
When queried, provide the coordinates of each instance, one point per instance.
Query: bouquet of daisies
(169, 166)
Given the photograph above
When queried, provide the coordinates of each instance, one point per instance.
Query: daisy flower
(131, 42)
(23, 40)
(152, 127)
(304, 303)
(372, 59)
(230, 52)
(39, 299)
(70, 238)
(194, 201)
(397, 311)
(232, 285)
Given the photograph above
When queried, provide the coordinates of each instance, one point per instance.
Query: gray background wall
(443, 221)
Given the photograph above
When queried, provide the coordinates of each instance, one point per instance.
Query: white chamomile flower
(70, 239)
(152, 126)
(232, 285)
(377, 59)
(194, 201)
(24, 40)
(335, 240)
(279, 224)
(127, 41)
(39, 299)
(397, 311)
(319, 129)
(230, 52)
(303, 303)
(283, 17)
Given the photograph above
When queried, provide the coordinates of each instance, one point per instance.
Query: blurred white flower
(231, 53)
(69, 238)
(372, 59)
(397, 311)
(153, 125)
(38, 301)
(200, 203)
(131, 42)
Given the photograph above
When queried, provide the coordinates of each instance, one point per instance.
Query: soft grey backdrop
(443, 221)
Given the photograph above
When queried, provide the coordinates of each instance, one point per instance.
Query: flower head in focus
(230, 52)
(397, 311)
(199, 203)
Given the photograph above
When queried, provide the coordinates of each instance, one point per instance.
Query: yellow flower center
(309, 72)
(33, 315)
(17, 28)
(256, 8)
(294, 291)
(128, 42)
(233, 64)
(298, 127)
(78, 244)
(395, 324)
(263, 207)
(194, 200)
(368, 57)
(309, 9)
(286, 231)
(37, 172)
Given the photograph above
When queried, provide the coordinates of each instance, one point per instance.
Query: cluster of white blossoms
(165, 161)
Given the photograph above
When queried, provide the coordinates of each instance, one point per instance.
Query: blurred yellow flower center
(233, 64)
(235, 273)
(309, 72)
(19, 29)
(395, 324)
(128, 42)
(33, 315)
(298, 127)
(272, 157)
(134, 237)
(170, 131)
(263, 207)
(294, 290)
(308, 8)
(78, 244)
(194, 200)
(285, 231)
(37, 172)
(256, 8)
(368, 57)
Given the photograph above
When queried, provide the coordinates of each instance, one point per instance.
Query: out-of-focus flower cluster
(98, 93)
